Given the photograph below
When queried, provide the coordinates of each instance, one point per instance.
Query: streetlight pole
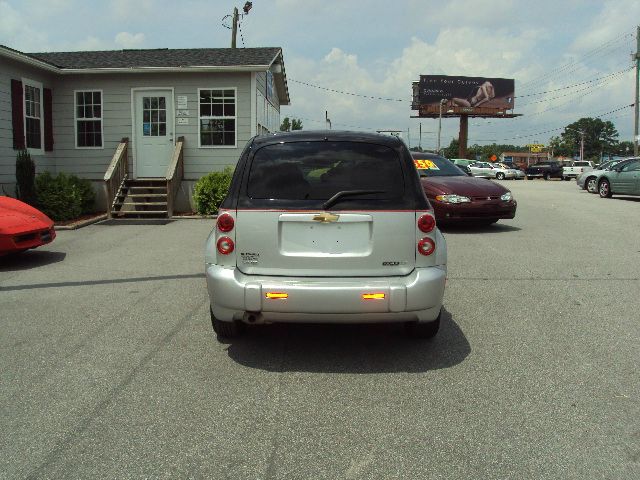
(442, 102)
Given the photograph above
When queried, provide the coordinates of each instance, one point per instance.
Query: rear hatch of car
(325, 209)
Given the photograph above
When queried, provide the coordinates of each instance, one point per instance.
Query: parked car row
(499, 171)
(618, 177)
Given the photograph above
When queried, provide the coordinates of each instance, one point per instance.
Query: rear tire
(423, 329)
(604, 189)
(500, 176)
(225, 329)
(546, 176)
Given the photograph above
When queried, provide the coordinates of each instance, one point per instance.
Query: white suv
(325, 227)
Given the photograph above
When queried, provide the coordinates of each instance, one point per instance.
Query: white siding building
(72, 110)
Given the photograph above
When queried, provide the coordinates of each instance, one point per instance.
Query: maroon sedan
(457, 197)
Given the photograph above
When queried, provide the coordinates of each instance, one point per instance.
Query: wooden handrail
(118, 170)
(175, 173)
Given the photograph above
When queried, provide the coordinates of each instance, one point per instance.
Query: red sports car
(457, 197)
(22, 227)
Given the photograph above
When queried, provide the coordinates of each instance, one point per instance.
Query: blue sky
(376, 48)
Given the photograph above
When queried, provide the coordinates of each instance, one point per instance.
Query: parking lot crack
(111, 281)
(271, 461)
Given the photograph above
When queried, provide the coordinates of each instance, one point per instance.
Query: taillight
(426, 246)
(426, 223)
(225, 245)
(225, 222)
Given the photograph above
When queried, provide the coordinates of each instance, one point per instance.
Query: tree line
(600, 141)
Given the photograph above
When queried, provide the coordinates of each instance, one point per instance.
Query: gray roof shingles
(193, 57)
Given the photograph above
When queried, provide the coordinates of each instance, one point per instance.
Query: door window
(631, 167)
(154, 116)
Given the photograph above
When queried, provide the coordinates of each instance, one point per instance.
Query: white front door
(153, 117)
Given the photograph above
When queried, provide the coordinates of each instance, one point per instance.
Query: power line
(372, 97)
(333, 90)
(591, 53)
(574, 85)
(557, 105)
(241, 36)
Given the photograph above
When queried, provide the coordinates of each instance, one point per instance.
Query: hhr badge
(326, 217)
(251, 258)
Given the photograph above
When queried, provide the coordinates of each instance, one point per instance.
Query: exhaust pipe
(253, 317)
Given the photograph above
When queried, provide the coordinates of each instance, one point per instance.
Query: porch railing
(174, 175)
(116, 174)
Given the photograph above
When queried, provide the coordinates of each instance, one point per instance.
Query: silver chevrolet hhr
(326, 226)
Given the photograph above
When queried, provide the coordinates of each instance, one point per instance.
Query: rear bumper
(236, 296)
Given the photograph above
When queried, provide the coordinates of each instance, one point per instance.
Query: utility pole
(636, 110)
(234, 28)
(581, 146)
(235, 19)
(420, 137)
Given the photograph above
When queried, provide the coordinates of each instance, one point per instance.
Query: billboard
(468, 93)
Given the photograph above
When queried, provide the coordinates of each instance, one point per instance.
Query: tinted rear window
(318, 170)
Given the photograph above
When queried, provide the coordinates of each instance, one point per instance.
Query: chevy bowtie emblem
(326, 217)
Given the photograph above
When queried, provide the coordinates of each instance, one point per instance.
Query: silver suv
(325, 227)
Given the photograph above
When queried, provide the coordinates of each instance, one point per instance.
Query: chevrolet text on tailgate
(325, 227)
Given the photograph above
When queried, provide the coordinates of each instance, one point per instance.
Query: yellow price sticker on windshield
(425, 165)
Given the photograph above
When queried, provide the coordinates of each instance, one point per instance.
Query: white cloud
(614, 20)
(130, 40)
(16, 32)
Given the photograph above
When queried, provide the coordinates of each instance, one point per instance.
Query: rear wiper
(348, 193)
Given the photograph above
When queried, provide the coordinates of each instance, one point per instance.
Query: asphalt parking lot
(110, 368)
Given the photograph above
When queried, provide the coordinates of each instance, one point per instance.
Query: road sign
(535, 147)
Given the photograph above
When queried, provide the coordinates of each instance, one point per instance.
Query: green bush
(25, 178)
(64, 197)
(87, 194)
(210, 190)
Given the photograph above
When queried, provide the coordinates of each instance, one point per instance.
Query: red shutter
(48, 120)
(17, 114)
